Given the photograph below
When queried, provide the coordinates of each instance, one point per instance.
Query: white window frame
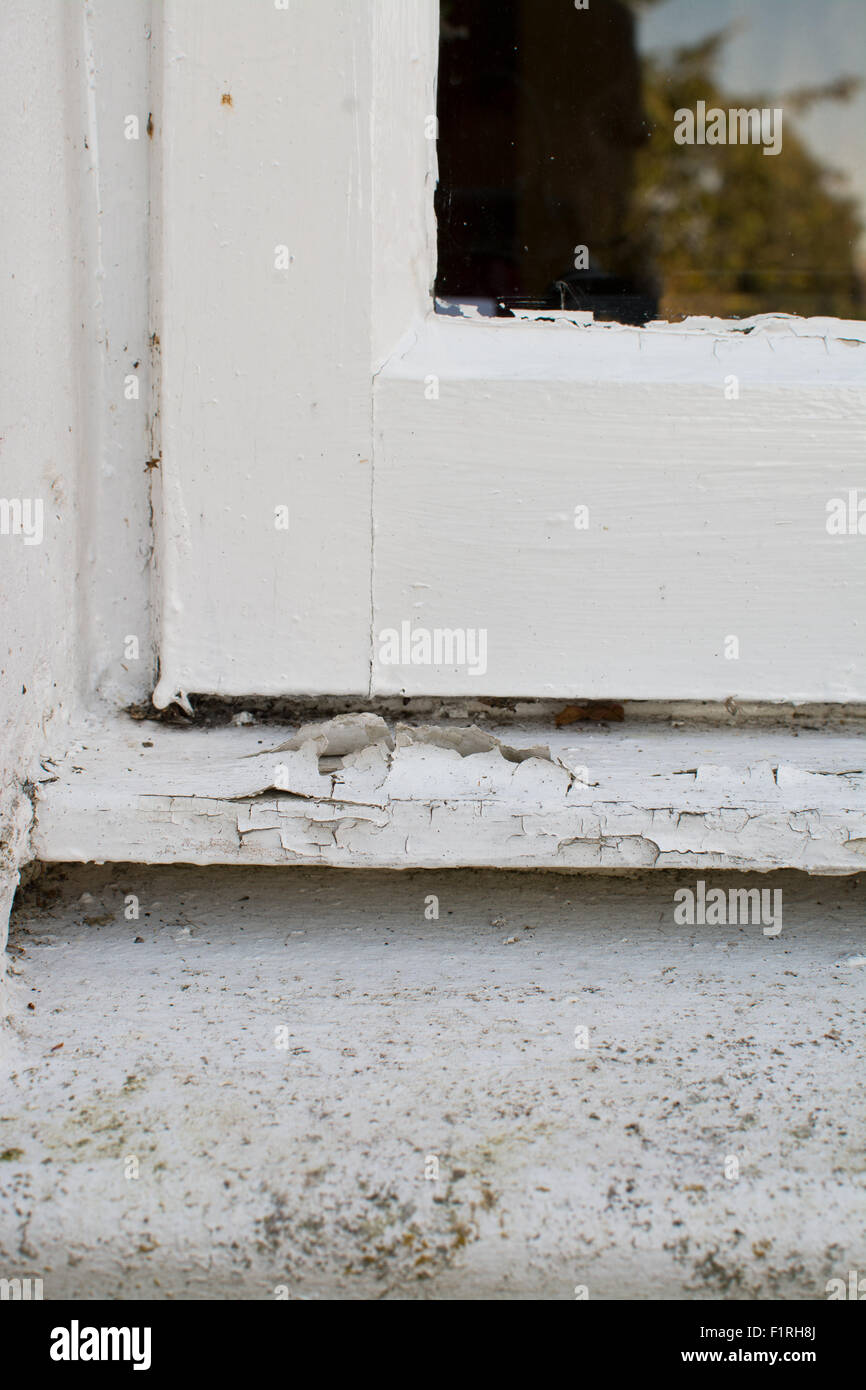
(696, 787)
(708, 531)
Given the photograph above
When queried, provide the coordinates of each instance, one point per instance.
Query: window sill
(638, 796)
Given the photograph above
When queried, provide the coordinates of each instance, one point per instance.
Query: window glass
(653, 158)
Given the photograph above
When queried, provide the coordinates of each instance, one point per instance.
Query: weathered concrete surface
(304, 1166)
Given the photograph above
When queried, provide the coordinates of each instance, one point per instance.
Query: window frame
(439, 519)
(553, 362)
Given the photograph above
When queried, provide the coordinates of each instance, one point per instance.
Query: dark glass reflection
(613, 158)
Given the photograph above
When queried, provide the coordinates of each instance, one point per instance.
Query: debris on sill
(214, 711)
(598, 711)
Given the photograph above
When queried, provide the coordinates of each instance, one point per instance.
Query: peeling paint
(358, 791)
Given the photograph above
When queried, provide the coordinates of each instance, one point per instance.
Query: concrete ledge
(357, 791)
(265, 1080)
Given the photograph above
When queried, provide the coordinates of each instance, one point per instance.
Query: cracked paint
(358, 790)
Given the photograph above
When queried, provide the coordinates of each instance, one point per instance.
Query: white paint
(470, 521)
(43, 421)
(265, 378)
(304, 1166)
(706, 516)
(365, 793)
(110, 44)
(75, 241)
(405, 34)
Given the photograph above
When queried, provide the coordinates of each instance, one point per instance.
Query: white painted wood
(362, 792)
(706, 569)
(722, 501)
(110, 43)
(706, 515)
(45, 319)
(265, 390)
(405, 56)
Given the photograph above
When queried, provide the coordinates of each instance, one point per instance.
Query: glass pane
(653, 158)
